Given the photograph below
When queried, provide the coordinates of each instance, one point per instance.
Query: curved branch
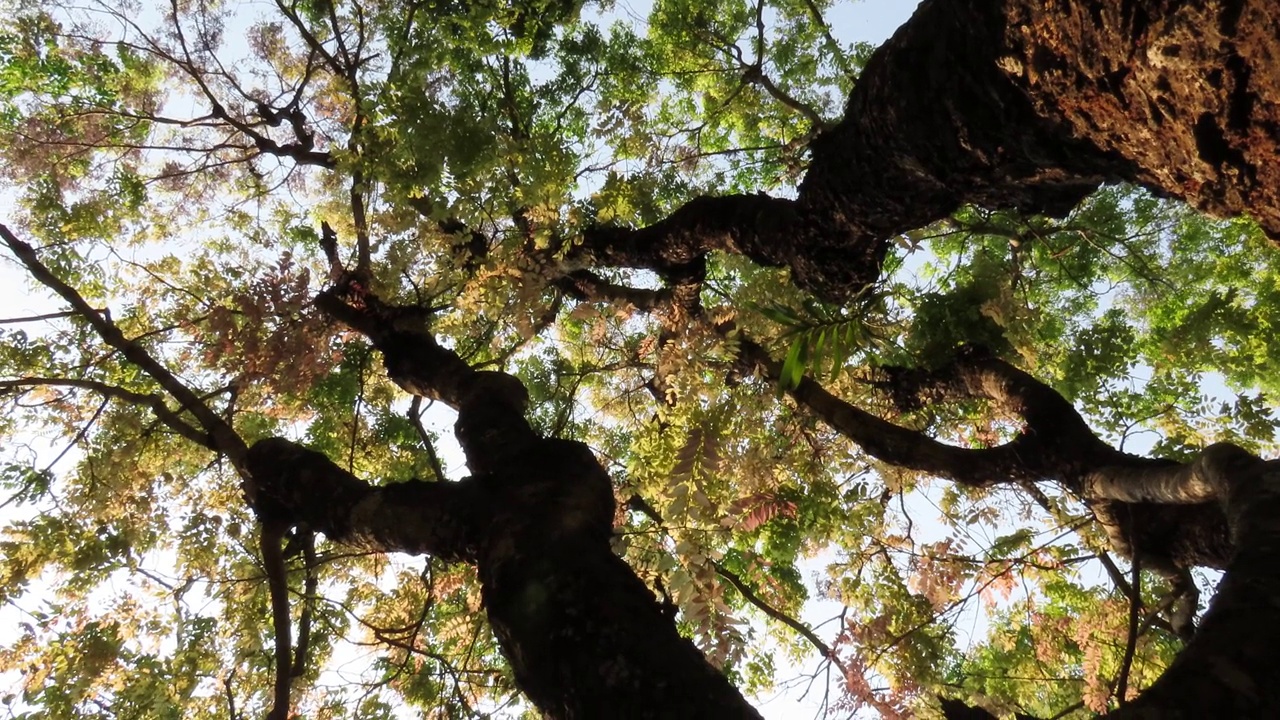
(1228, 669)
(754, 74)
(156, 403)
(221, 435)
(300, 485)
(750, 225)
(1056, 444)
(1013, 462)
(750, 596)
(491, 425)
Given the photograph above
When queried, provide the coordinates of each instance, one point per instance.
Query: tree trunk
(586, 638)
(1031, 104)
(1230, 669)
(1021, 103)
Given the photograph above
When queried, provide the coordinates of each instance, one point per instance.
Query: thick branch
(1229, 669)
(587, 286)
(1171, 484)
(1009, 104)
(901, 446)
(491, 424)
(752, 225)
(1056, 445)
(299, 485)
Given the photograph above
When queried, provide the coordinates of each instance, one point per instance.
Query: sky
(866, 21)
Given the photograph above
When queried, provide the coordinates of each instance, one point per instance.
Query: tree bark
(1230, 670)
(1020, 103)
(1016, 103)
(585, 637)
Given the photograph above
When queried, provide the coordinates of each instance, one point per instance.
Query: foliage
(185, 194)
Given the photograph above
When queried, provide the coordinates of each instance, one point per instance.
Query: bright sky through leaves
(632, 261)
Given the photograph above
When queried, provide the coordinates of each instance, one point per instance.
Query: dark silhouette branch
(415, 417)
(172, 420)
(310, 586)
(219, 436)
(1131, 641)
(750, 596)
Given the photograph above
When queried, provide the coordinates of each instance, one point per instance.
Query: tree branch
(1056, 444)
(415, 417)
(750, 225)
(491, 424)
(38, 318)
(156, 403)
(221, 435)
(750, 596)
(1131, 642)
(754, 74)
(304, 486)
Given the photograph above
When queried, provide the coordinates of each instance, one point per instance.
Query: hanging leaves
(823, 338)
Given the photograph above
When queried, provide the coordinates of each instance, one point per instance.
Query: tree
(375, 205)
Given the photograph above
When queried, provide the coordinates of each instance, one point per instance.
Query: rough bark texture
(1029, 103)
(585, 637)
(1021, 103)
(1186, 91)
(1229, 670)
(1032, 104)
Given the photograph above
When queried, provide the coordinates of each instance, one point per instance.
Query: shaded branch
(901, 446)
(1131, 642)
(491, 424)
(220, 435)
(750, 225)
(309, 588)
(269, 547)
(415, 417)
(171, 419)
(585, 285)
(754, 74)
(1055, 444)
(302, 486)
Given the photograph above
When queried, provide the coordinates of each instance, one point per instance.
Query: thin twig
(1135, 606)
(750, 596)
(38, 318)
(150, 400)
(415, 417)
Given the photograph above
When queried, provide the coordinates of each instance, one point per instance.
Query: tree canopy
(966, 340)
